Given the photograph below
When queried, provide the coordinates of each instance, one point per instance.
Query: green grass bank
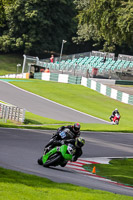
(119, 170)
(17, 185)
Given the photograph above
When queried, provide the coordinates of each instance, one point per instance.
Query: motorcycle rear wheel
(53, 160)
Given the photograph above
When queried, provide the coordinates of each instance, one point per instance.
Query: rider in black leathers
(74, 129)
(70, 132)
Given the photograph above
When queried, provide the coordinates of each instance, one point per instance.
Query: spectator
(87, 73)
(104, 59)
(47, 70)
(52, 58)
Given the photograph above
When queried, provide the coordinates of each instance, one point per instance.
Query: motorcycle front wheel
(40, 161)
(53, 160)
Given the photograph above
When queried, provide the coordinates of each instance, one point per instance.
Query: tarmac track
(42, 106)
(20, 149)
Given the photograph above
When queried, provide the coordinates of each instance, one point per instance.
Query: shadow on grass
(31, 121)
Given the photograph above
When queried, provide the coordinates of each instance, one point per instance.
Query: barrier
(11, 112)
(24, 75)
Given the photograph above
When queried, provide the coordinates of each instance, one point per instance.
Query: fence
(102, 54)
(125, 57)
(11, 112)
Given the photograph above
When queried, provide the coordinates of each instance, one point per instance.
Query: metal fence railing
(125, 57)
(11, 112)
(102, 54)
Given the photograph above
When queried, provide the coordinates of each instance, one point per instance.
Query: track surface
(19, 150)
(41, 106)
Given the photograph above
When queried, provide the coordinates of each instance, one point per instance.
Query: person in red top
(47, 70)
(52, 58)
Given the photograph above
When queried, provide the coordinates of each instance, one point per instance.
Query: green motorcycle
(58, 156)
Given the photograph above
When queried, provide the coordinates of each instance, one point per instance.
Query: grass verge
(119, 170)
(33, 121)
(17, 185)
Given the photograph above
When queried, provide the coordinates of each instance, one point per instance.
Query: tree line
(38, 26)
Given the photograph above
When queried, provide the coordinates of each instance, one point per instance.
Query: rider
(74, 129)
(71, 133)
(113, 114)
(78, 143)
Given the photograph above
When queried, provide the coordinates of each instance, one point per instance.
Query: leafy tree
(3, 24)
(37, 25)
(2, 17)
(107, 21)
(125, 23)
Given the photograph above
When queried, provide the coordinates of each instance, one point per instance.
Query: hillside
(8, 63)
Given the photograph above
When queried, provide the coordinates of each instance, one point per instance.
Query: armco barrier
(63, 78)
(124, 82)
(11, 112)
(92, 84)
(105, 90)
(24, 75)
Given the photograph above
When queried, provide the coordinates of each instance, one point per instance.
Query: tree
(37, 25)
(2, 17)
(125, 23)
(106, 21)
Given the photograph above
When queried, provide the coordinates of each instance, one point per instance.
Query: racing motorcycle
(115, 119)
(59, 155)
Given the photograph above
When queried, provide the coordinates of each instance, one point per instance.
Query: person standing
(52, 58)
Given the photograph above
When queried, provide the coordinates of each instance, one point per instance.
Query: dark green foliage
(34, 26)
(38, 26)
(107, 21)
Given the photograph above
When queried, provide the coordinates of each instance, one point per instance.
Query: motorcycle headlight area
(70, 149)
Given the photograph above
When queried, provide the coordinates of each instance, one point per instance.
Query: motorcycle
(116, 118)
(59, 155)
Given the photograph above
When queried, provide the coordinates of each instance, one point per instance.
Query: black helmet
(76, 127)
(79, 142)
